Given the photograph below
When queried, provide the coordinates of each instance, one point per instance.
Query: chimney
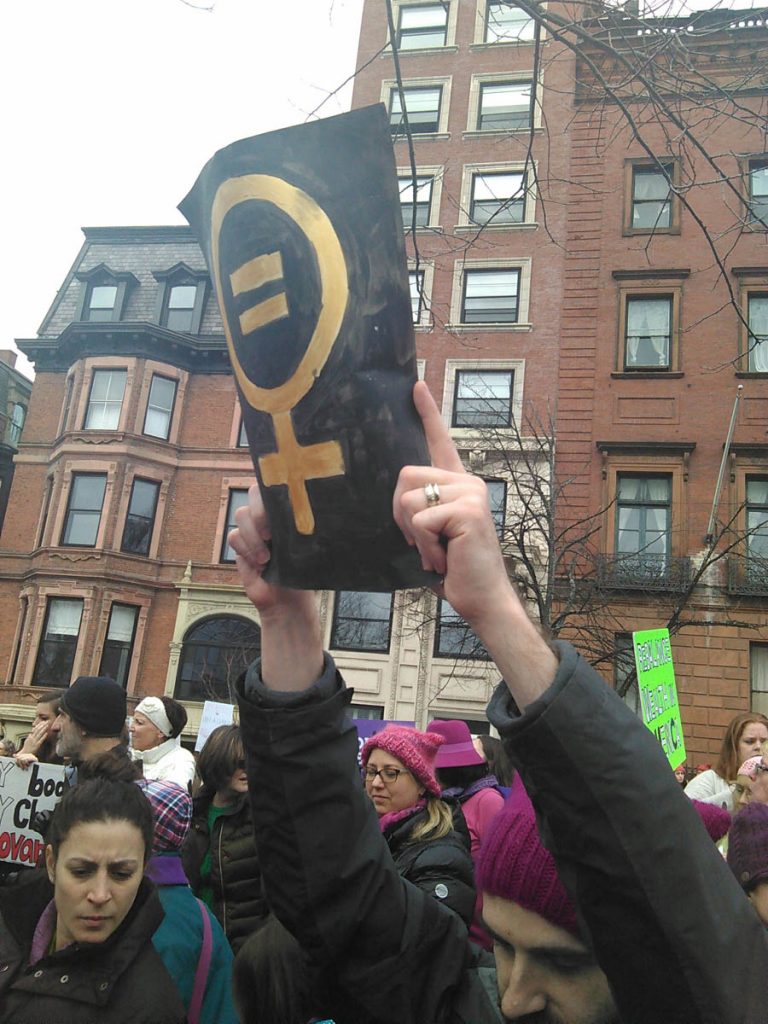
(8, 357)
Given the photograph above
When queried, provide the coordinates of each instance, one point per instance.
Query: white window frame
(450, 30)
(521, 263)
(436, 174)
(452, 366)
(479, 36)
(472, 131)
(529, 210)
(422, 83)
(427, 268)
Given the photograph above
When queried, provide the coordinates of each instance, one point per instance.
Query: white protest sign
(214, 715)
(22, 795)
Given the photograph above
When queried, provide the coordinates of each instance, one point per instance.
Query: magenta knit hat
(458, 750)
(748, 845)
(415, 749)
(716, 819)
(514, 865)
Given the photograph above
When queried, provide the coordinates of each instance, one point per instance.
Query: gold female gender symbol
(292, 464)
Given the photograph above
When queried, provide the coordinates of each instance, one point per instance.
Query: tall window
(757, 314)
(86, 497)
(361, 621)
(16, 424)
(421, 198)
(757, 527)
(648, 333)
(643, 522)
(237, 498)
(624, 675)
(180, 307)
(162, 394)
(490, 296)
(497, 497)
(422, 104)
(422, 26)
(483, 398)
(242, 437)
(118, 645)
(58, 645)
(105, 400)
(506, 23)
(758, 191)
(498, 198)
(453, 636)
(651, 197)
(140, 520)
(416, 285)
(758, 677)
(504, 106)
(100, 303)
(214, 654)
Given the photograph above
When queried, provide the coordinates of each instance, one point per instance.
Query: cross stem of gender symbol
(293, 464)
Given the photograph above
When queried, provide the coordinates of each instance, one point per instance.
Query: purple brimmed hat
(458, 750)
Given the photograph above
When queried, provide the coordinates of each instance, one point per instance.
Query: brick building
(554, 273)
(15, 390)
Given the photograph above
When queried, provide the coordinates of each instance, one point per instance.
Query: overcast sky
(111, 107)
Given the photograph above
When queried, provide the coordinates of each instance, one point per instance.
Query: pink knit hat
(514, 865)
(749, 768)
(415, 749)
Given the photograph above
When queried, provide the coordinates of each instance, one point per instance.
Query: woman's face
(95, 876)
(753, 734)
(145, 735)
(390, 794)
(742, 791)
(237, 785)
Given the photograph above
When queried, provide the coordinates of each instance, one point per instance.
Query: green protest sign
(658, 692)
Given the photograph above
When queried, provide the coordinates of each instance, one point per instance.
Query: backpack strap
(203, 964)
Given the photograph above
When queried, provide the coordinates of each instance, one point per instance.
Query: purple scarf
(486, 782)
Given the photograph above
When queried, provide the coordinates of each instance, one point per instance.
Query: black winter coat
(120, 981)
(441, 867)
(238, 901)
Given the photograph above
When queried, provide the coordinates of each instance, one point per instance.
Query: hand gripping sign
(302, 232)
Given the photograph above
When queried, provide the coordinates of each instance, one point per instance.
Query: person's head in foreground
(155, 720)
(221, 767)
(748, 855)
(399, 772)
(743, 737)
(98, 843)
(91, 715)
(545, 972)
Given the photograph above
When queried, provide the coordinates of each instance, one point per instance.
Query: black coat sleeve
(328, 874)
(674, 933)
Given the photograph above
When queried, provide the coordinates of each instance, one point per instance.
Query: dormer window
(180, 298)
(104, 293)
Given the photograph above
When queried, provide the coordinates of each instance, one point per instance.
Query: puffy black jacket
(441, 867)
(238, 900)
(120, 981)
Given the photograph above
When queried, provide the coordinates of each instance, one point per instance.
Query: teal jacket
(180, 936)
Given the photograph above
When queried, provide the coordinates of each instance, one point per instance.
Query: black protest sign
(303, 236)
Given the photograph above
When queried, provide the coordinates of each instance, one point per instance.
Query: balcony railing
(747, 574)
(644, 572)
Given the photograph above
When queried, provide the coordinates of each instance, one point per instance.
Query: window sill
(628, 232)
(647, 375)
(751, 374)
(419, 51)
(527, 225)
(423, 137)
(477, 133)
(519, 328)
(509, 44)
(424, 229)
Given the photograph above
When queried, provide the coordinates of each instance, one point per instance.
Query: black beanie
(97, 704)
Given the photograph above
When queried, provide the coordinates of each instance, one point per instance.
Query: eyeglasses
(760, 767)
(387, 774)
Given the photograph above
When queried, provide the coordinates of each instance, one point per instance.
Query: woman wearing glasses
(399, 773)
(219, 853)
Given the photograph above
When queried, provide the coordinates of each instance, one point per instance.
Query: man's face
(69, 737)
(545, 975)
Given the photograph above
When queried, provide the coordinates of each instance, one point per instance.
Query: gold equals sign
(254, 274)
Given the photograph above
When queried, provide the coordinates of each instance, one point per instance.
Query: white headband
(154, 709)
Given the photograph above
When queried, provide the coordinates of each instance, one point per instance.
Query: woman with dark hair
(75, 944)
(745, 734)
(398, 768)
(219, 853)
(156, 741)
(40, 743)
(465, 776)
(492, 749)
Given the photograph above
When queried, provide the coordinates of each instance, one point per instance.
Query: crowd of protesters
(558, 875)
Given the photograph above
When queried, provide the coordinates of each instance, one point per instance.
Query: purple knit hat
(716, 819)
(171, 811)
(748, 845)
(458, 749)
(415, 749)
(514, 865)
